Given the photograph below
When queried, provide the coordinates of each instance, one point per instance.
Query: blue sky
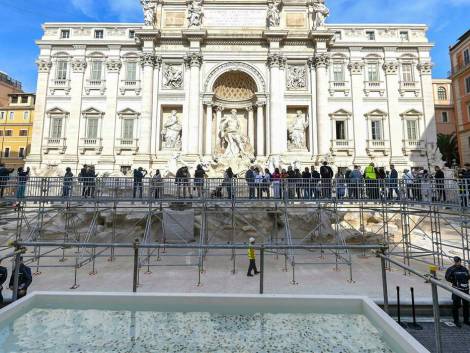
(21, 24)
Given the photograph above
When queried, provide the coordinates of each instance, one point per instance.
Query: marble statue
(150, 10)
(297, 131)
(274, 14)
(171, 132)
(194, 13)
(232, 138)
(173, 76)
(296, 77)
(320, 13)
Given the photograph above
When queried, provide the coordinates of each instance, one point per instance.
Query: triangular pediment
(56, 110)
(341, 112)
(92, 111)
(128, 111)
(376, 112)
(411, 112)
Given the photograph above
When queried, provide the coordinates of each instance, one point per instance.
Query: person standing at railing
(459, 276)
(4, 177)
(290, 183)
(252, 259)
(426, 188)
(408, 180)
(91, 181)
(250, 180)
(157, 184)
(440, 184)
(23, 176)
(306, 182)
(68, 182)
(267, 182)
(381, 179)
(199, 175)
(314, 183)
(340, 185)
(326, 176)
(277, 179)
(393, 183)
(228, 182)
(370, 176)
(259, 183)
(82, 179)
(356, 183)
(139, 175)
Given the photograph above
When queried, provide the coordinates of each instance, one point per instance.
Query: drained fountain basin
(115, 322)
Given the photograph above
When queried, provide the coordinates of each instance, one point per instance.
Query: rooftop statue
(320, 13)
(194, 13)
(150, 12)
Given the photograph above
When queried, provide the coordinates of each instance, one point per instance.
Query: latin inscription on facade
(235, 18)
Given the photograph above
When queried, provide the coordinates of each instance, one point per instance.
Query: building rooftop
(9, 80)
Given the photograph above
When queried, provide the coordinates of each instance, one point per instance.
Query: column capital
(193, 59)
(157, 61)
(276, 60)
(147, 59)
(219, 108)
(79, 65)
(356, 67)
(260, 103)
(390, 67)
(321, 60)
(113, 65)
(208, 103)
(425, 68)
(44, 65)
(249, 108)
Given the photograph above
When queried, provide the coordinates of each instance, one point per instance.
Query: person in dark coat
(24, 279)
(393, 183)
(199, 176)
(326, 175)
(250, 179)
(306, 180)
(68, 181)
(139, 175)
(314, 192)
(3, 279)
(440, 187)
(458, 275)
(82, 178)
(4, 176)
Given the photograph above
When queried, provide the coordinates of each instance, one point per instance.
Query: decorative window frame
(62, 84)
(339, 86)
(126, 85)
(128, 113)
(414, 86)
(377, 146)
(59, 143)
(418, 145)
(371, 86)
(99, 85)
(344, 145)
(87, 143)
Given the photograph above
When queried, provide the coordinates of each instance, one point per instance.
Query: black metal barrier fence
(446, 192)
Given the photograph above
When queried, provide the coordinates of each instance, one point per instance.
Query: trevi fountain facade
(222, 83)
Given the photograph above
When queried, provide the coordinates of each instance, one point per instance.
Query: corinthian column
(277, 116)
(321, 61)
(148, 61)
(191, 137)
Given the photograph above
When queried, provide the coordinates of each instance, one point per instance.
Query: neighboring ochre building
(460, 61)
(228, 84)
(16, 122)
(444, 106)
(7, 86)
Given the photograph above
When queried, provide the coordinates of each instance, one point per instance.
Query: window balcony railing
(409, 86)
(99, 85)
(374, 86)
(378, 146)
(339, 86)
(55, 143)
(342, 146)
(60, 84)
(90, 143)
(126, 144)
(414, 146)
(130, 85)
(460, 68)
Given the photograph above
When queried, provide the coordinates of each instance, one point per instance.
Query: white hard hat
(252, 240)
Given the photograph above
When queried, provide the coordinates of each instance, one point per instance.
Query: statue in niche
(296, 131)
(296, 77)
(194, 13)
(173, 76)
(320, 13)
(150, 11)
(171, 132)
(274, 14)
(235, 143)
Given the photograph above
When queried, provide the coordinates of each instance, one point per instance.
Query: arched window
(442, 93)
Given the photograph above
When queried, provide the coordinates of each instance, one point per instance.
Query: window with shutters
(338, 72)
(21, 152)
(340, 130)
(407, 71)
(6, 154)
(441, 94)
(373, 72)
(412, 130)
(444, 117)
(376, 130)
(92, 128)
(131, 71)
(61, 73)
(96, 70)
(127, 129)
(56, 127)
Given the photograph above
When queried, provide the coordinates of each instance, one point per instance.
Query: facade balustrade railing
(440, 192)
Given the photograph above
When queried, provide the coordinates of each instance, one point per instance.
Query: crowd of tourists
(371, 183)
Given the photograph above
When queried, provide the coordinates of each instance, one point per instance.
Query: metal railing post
(261, 270)
(436, 311)
(136, 265)
(16, 274)
(384, 284)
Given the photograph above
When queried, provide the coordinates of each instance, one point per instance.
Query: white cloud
(86, 6)
(124, 10)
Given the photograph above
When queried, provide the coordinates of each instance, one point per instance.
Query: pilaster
(359, 124)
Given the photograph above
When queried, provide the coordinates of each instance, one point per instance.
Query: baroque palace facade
(231, 84)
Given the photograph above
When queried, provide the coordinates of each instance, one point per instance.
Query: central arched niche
(234, 86)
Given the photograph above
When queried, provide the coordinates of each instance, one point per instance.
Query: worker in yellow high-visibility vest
(252, 258)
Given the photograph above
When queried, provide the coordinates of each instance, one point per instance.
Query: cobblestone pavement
(454, 339)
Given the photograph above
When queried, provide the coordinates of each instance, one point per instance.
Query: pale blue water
(104, 331)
